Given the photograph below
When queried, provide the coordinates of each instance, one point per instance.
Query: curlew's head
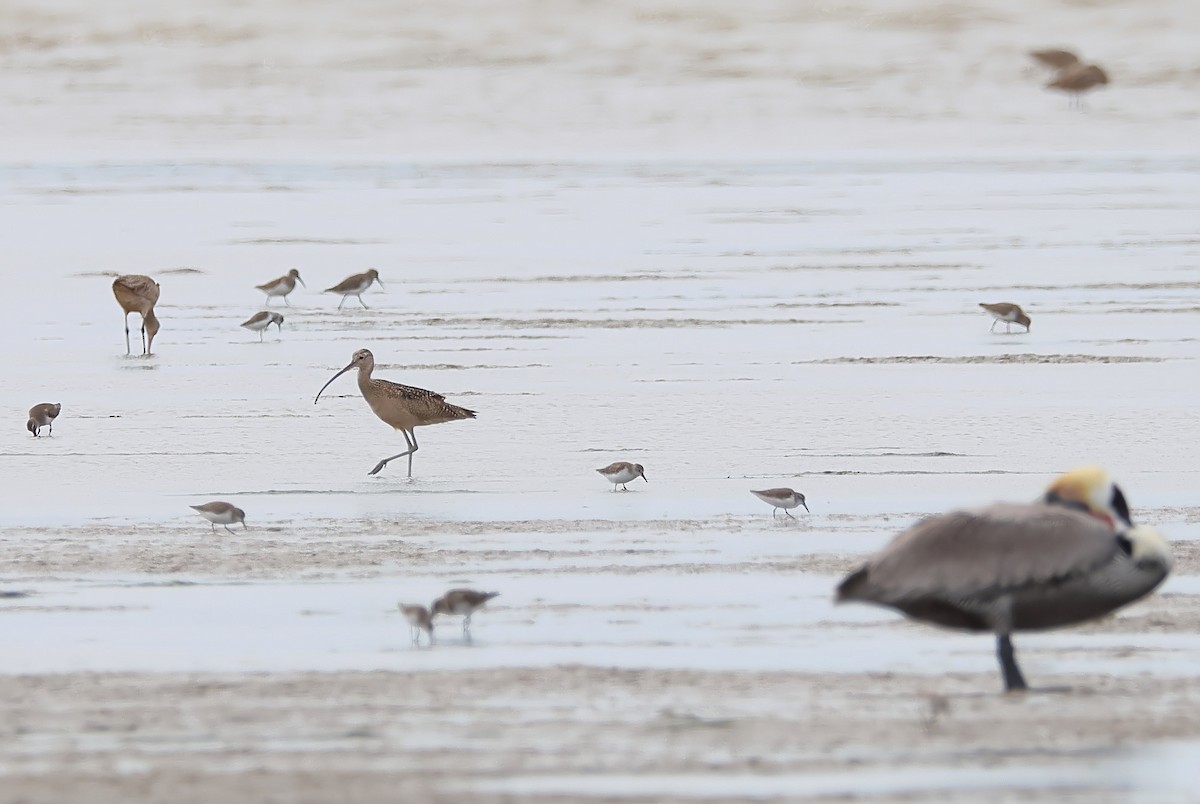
(1091, 490)
(362, 360)
(150, 322)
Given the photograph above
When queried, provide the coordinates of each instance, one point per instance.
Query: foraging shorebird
(781, 498)
(401, 406)
(138, 294)
(43, 415)
(355, 286)
(419, 619)
(281, 286)
(1072, 556)
(221, 513)
(622, 472)
(1054, 58)
(1008, 313)
(1078, 79)
(260, 321)
(461, 601)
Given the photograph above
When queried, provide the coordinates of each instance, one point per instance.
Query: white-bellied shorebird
(355, 286)
(43, 415)
(464, 602)
(221, 513)
(621, 472)
(260, 321)
(781, 498)
(419, 619)
(402, 406)
(1072, 556)
(1054, 58)
(1008, 313)
(138, 294)
(281, 286)
(1078, 79)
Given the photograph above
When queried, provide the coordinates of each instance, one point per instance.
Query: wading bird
(138, 294)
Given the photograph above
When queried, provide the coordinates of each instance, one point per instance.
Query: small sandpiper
(43, 415)
(355, 286)
(282, 286)
(461, 601)
(419, 619)
(1078, 79)
(622, 472)
(221, 513)
(781, 498)
(1008, 313)
(260, 321)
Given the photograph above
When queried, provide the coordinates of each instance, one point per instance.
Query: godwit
(260, 321)
(781, 498)
(401, 406)
(1070, 557)
(1078, 79)
(43, 415)
(355, 286)
(622, 472)
(138, 294)
(282, 286)
(1008, 313)
(461, 601)
(221, 513)
(1054, 58)
(419, 619)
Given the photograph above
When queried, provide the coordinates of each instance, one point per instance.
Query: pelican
(1072, 556)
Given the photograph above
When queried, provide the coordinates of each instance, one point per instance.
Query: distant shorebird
(622, 472)
(260, 321)
(355, 286)
(43, 415)
(1078, 79)
(419, 619)
(221, 513)
(781, 498)
(1072, 556)
(282, 286)
(1008, 313)
(402, 406)
(1054, 58)
(464, 602)
(138, 294)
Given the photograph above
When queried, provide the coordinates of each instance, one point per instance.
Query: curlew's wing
(989, 550)
(141, 286)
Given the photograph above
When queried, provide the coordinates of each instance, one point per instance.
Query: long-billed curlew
(1070, 557)
(1008, 313)
(43, 415)
(401, 406)
(260, 321)
(281, 286)
(221, 513)
(355, 286)
(781, 498)
(138, 294)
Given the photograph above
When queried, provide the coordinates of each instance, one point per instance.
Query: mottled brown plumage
(402, 406)
(138, 294)
(1070, 557)
(281, 286)
(43, 415)
(1054, 58)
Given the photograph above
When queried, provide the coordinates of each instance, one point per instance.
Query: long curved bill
(331, 379)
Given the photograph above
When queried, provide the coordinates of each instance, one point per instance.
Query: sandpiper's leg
(229, 529)
(775, 512)
(360, 301)
(995, 321)
(285, 301)
(260, 333)
(788, 513)
(343, 301)
(214, 526)
(1013, 680)
(412, 447)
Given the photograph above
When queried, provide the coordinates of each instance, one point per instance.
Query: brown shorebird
(781, 498)
(419, 619)
(221, 513)
(260, 321)
(355, 286)
(1008, 313)
(1078, 79)
(1072, 556)
(282, 286)
(401, 406)
(138, 294)
(43, 415)
(461, 601)
(1054, 58)
(622, 472)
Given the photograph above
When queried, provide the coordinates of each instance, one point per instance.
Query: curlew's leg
(127, 333)
(412, 447)
(360, 301)
(1013, 680)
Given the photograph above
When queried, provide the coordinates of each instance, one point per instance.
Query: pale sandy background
(742, 244)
